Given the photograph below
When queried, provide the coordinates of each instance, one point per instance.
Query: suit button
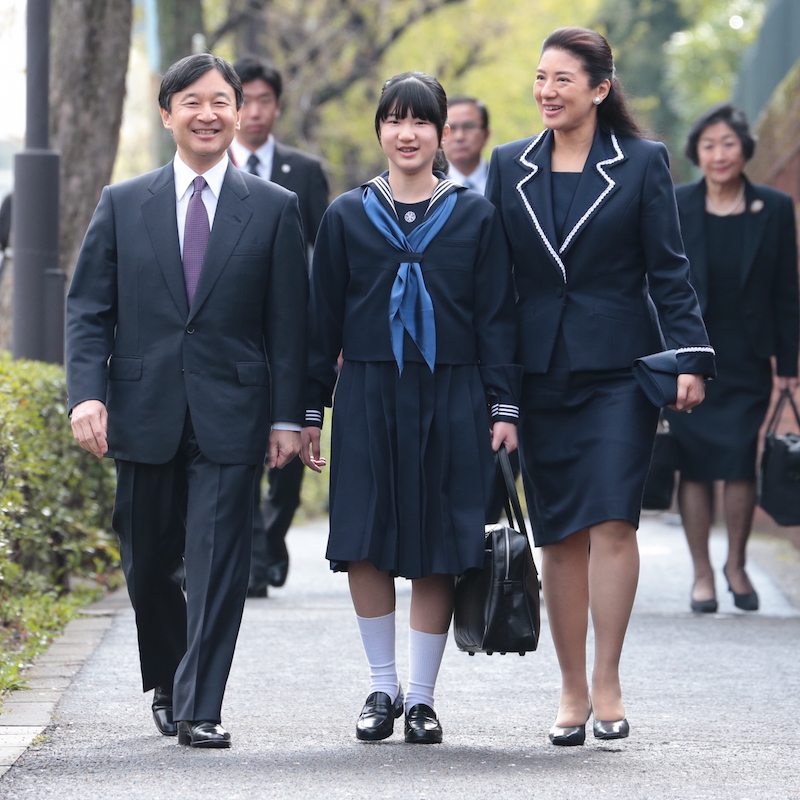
(190, 330)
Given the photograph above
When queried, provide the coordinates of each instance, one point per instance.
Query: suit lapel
(692, 208)
(161, 222)
(535, 192)
(595, 186)
(754, 226)
(230, 219)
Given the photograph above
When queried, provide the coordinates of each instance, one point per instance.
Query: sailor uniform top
(466, 270)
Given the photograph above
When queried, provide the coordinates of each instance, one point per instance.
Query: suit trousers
(273, 519)
(193, 508)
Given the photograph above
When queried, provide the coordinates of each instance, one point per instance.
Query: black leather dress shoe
(203, 733)
(376, 720)
(422, 725)
(278, 561)
(614, 729)
(704, 606)
(162, 712)
(747, 601)
(569, 736)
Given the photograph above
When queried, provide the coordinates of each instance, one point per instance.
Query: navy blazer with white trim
(622, 246)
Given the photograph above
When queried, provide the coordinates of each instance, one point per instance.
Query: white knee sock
(377, 636)
(425, 651)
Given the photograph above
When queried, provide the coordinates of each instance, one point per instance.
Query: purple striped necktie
(195, 238)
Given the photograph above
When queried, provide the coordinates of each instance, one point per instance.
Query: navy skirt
(586, 440)
(412, 468)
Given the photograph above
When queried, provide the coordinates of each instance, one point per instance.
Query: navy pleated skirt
(586, 440)
(412, 468)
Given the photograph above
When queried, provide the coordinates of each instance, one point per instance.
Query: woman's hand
(691, 392)
(504, 433)
(309, 448)
(785, 383)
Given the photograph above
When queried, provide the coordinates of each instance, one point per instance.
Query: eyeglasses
(467, 127)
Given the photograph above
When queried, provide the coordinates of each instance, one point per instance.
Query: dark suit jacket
(769, 285)
(302, 174)
(236, 360)
(622, 246)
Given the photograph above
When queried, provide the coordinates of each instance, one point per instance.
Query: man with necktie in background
(256, 150)
(468, 119)
(186, 362)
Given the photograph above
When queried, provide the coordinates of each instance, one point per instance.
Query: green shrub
(55, 498)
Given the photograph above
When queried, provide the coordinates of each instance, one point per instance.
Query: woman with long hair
(588, 208)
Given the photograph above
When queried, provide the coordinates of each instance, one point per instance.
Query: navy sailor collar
(380, 185)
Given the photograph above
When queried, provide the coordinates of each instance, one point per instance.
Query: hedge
(55, 512)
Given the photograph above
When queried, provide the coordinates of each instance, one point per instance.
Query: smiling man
(186, 364)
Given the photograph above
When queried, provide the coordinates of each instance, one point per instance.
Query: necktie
(252, 164)
(195, 237)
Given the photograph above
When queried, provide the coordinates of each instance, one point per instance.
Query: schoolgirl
(411, 281)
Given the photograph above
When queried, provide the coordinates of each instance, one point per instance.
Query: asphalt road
(713, 702)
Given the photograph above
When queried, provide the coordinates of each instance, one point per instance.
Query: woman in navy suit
(588, 207)
(411, 280)
(741, 241)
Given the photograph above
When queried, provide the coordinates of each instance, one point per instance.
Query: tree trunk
(87, 89)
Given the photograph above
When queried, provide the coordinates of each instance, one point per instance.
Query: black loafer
(162, 712)
(614, 729)
(376, 720)
(422, 725)
(203, 733)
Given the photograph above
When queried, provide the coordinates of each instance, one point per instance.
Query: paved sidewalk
(712, 700)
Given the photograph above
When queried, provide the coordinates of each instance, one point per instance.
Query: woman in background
(741, 243)
(588, 207)
(411, 280)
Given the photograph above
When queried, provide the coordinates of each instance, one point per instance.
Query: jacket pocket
(125, 368)
(616, 312)
(253, 373)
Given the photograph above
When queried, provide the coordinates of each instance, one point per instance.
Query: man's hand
(283, 447)
(90, 426)
(310, 450)
(691, 392)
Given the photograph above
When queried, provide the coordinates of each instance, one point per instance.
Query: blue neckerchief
(410, 305)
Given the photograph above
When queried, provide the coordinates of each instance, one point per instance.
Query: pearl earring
(597, 101)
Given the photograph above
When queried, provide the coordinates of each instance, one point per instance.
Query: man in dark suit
(185, 363)
(255, 149)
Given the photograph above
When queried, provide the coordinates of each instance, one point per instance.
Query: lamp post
(38, 327)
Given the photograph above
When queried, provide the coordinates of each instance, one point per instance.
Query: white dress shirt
(476, 181)
(265, 155)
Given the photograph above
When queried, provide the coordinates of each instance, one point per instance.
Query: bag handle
(786, 395)
(512, 499)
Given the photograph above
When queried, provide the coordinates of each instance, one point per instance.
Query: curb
(26, 713)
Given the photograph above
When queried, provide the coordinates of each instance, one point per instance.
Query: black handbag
(779, 474)
(497, 607)
(657, 375)
(660, 484)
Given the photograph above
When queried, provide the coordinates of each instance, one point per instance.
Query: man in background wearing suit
(468, 119)
(255, 149)
(186, 364)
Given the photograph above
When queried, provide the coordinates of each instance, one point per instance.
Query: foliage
(703, 59)
(55, 499)
(30, 623)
